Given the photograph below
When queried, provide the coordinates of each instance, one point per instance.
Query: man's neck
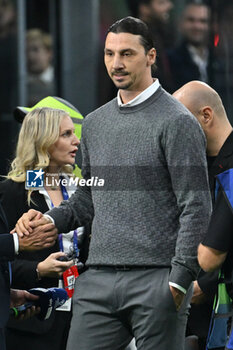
(129, 95)
(215, 143)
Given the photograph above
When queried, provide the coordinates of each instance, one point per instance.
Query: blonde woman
(47, 143)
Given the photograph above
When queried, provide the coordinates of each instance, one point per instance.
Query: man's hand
(199, 296)
(19, 297)
(24, 225)
(35, 231)
(178, 297)
(43, 236)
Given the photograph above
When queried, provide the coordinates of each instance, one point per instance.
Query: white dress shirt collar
(143, 96)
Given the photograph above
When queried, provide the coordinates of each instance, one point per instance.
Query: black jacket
(7, 252)
(13, 197)
(182, 67)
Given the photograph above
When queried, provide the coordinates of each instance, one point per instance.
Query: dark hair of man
(136, 27)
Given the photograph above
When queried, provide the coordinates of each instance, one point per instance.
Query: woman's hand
(51, 267)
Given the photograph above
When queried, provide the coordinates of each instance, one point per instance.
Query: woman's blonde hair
(40, 130)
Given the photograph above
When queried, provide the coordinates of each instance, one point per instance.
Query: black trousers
(54, 339)
(2, 339)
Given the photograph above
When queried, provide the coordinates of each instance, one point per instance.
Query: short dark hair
(134, 26)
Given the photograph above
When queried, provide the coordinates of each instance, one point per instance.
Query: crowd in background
(192, 38)
(193, 42)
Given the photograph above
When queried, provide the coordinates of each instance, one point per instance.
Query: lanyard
(75, 235)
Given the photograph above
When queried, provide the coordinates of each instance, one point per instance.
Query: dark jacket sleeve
(208, 282)
(13, 197)
(7, 248)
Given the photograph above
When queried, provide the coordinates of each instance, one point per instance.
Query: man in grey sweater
(149, 216)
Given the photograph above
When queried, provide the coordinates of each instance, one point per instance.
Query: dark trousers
(2, 339)
(54, 339)
(110, 307)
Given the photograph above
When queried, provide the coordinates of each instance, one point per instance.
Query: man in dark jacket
(10, 244)
(190, 59)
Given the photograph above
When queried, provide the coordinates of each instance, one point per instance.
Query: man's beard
(118, 83)
(123, 87)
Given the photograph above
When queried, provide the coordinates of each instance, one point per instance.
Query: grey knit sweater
(155, 205)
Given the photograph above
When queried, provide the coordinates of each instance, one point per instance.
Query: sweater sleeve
(185, 155)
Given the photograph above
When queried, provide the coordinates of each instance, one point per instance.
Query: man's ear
(151, 54)
(206, 114)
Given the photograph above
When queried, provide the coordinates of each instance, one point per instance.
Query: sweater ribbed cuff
(182, 276)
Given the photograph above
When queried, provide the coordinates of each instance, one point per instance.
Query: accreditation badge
(68, 282)
(69, 277)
